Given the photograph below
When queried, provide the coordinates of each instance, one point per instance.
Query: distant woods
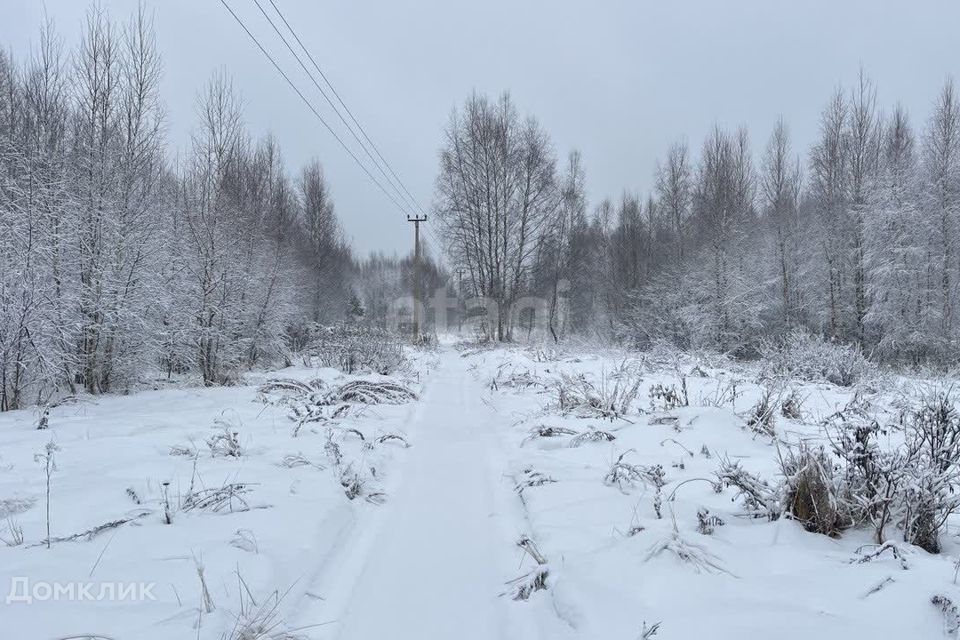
(119, 263)
(122, 260)
(854, 240)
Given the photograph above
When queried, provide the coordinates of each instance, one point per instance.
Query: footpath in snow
(444, 542)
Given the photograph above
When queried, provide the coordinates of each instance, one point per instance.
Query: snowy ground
(436, 555)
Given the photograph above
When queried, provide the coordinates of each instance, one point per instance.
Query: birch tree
(496, 191)
(941, 202)
(780, 188)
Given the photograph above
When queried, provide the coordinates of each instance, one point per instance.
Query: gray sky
(618, 80)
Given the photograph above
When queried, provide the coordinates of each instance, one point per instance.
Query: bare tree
(674, 191)
(780, 186)
(828, 174)
(496, 192)
(863, 139)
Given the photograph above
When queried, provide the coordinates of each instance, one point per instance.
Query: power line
(310, 75)
(306, 101)
(336, 94)
(410, 197)
(311, 107)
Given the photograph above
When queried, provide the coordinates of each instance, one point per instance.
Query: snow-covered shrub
(288, 391)
(517, 379)
(951, 614)
(612, 398)
(624, 474)
(698, 557)
(759, 498)
(357, 483)
(870, 552)
(546, 431)
(808, 357)
(760, 420)
(727, 391)
(530, 477)
(259, 620)
(186, 451)
(312, 402)
(14, 535)
(226, 441)
(332, 450)
(593, 435)
(393, 437)
(294, 460)
(862, 481)
(664, 398)
(229, 497)
(792, 405)
(707, 523)
(535, 580)
(370, 392)
(931, 487)
(914, 486)
(870, 475)
(355, 348)
(813, 493)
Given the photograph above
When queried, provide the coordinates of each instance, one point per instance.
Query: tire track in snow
(433, 560)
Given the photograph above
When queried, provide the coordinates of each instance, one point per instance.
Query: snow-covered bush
(760, 420)
(260, 620)
(517, 379)
(353, 348)
(312, 402)
(791, 407)
(612, 398)
(624, 474)
(808, 357)
(931, 486)
(913, 486)
(592, 435)
(707, 522)
(523, 587)
(759, 498)
(226, 441)
(370, 392)
(813, 493)
(667, 398)
(229, 497)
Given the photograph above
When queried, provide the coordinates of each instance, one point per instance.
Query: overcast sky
(617, 80)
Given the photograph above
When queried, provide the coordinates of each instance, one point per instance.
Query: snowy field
(516, 511)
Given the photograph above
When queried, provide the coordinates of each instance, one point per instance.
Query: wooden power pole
(416, 220)
(460, 301)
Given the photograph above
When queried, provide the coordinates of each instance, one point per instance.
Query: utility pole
(416, 220)
(460, 304)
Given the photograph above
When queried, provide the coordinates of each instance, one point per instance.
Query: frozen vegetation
(723, 409)
(484, 491)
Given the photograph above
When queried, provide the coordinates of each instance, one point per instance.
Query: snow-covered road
(437, 558)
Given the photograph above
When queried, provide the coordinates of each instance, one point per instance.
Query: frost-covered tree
(780, 184)
(674, 191)
(863, 138)
(940, 166)
(496, 193)
(115, 262)
(895, 253)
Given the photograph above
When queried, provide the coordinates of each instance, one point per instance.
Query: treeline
(855, 240)
(117, 263)
(384, 285)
